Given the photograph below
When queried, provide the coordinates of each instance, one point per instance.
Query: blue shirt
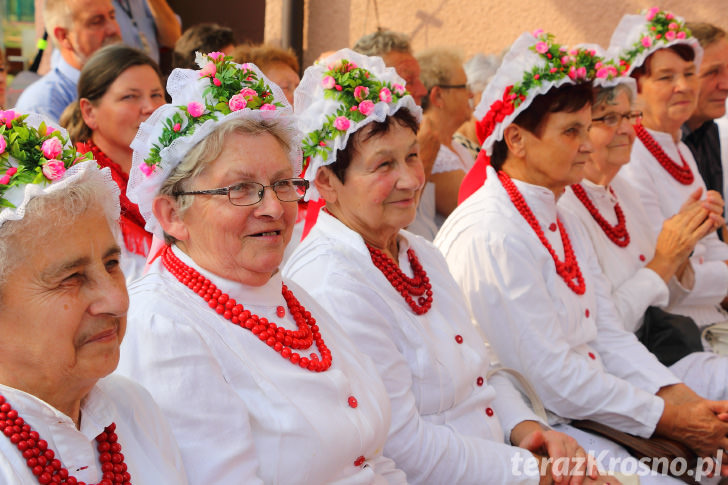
(137, 26)
(51, 94)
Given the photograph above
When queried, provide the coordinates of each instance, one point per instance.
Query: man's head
(81, 27)
(394, 48)
(713, 73)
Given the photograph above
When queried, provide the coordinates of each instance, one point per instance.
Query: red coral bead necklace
(418, 286)
(282, 340)
(569, 268)
(42, 460)
(682, 174)
(618, 233)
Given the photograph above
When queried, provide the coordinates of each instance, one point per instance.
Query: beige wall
(473, 25)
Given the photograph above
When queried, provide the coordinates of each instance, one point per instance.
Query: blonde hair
(436, 67)
(57, 13)
(263, 55)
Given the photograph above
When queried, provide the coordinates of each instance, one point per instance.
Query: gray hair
(382, 42)
(480, 69)
(437, 66)
(208, 150)
(608, 95)
(57, 13)
(46, 213)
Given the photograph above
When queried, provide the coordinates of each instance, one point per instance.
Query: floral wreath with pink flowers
(578, 64)
(358, 92)
(30, 155)
(662, 27)
(231, 87)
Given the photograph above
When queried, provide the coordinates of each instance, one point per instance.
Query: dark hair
(705, 33)
(403, 117)
(569, 98)
(97, 75)
(205, 38)
(684, 51)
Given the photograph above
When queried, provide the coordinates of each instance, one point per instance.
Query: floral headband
(202, 99)
(339, 96)
(36, 158)
(534, 65)
(638, 36)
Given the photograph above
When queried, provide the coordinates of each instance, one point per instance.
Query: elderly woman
(63, 307)
(643, 272)
(279, 65)
(533, 283)
(253, 358)
(118, 89)
(447, 105)
(659, 52)
(451, 423)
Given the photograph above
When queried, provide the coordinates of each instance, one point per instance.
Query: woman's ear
(165, 210)
(88, 113)
(514, 136)
(327, 184)
(435, 97)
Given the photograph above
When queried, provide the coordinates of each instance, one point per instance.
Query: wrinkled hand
(429, 141)
(712, 203)
(568, 459)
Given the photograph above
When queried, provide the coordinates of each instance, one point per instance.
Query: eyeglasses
(250, 193)
(614, 119)
(452, 86)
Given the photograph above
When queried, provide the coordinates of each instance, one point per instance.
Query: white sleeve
(513, 306)
(428, 452)
(632, 298)
(711, 272)
(167, 374)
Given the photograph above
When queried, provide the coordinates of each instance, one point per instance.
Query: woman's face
(383, 183)
(240, 243)
(457, 105)
(130, 99)
(283, 76)
(557, 158)
(669, 92)
(612, 144)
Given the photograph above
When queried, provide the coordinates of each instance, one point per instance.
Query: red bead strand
(618, 233)
(569, 268)
(280, 339)
(418, 286)
(42, 460)
(682, 174)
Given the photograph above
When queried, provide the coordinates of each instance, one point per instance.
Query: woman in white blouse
(642, 271)
(660, 53)
(392, 291)
(258, 382)
(533, 283)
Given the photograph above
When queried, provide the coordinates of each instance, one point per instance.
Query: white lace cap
(185, 86)
(632, 29)
(82, 172)
(313, 108)
(519, 60)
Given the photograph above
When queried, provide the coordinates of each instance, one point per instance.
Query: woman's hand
(566, 460)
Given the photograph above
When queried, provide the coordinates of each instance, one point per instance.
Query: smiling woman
(63, 307)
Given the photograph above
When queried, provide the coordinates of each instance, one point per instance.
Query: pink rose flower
(352, 65)
(553, 70)
(237, 102)
(603, 73)
(572, 72)
(248, 93)
(542, 47)
(268, 107)
(399, 89)
(328, 82)
(361, 92)
(332, 66)
(3, 144)
(581, 72)
(322, 143)
(353, 108)
(209, 70)
(195, 109)
(51, 148)
(216, 81)
(5, 179)
(342, 123)
(670, 35)
(8, 117)
(215, 55)
(565, 60)
(146, 169)
(12, 171)
(385, 95)
(338, 87)
(366, 107)
(681, 35)
(673, 26)
(177, 127)
(651, 13)
(646, 41)
(598, 65)
(537, 32)
(669, 16)
(49, 130)
(53, 169)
